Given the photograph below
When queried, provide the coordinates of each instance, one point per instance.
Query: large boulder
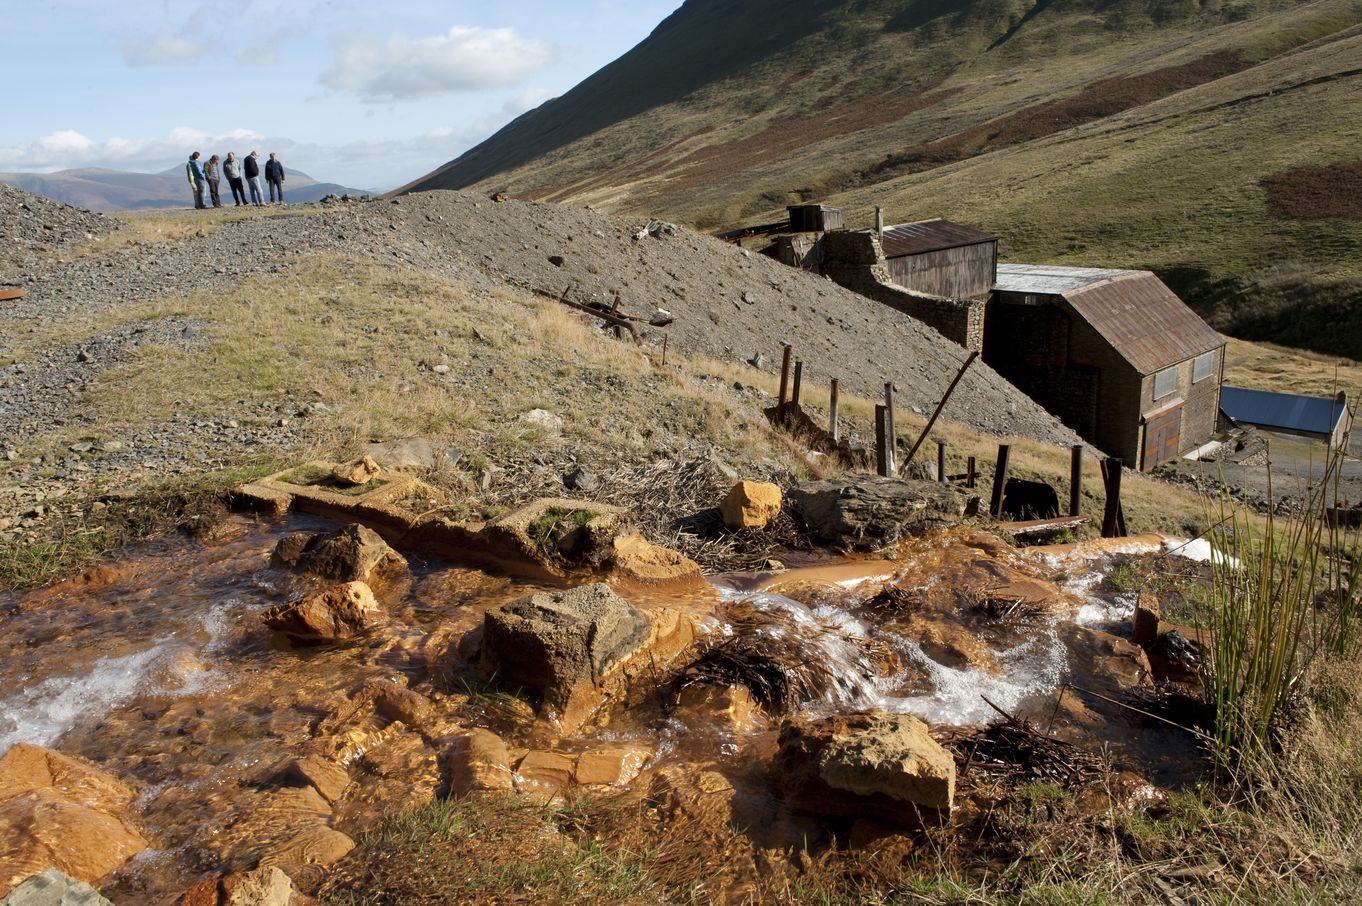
(561, 645)
(868, 511)
(865, 765)
(354, 553)
(751, 504)
(59, 812)
(53, 888)
(331, 615)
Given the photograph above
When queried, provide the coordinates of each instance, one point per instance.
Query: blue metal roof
(1287, 411)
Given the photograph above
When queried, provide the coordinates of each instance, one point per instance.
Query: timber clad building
(1115, 354)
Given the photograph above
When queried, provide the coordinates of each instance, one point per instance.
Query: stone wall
(855, 260)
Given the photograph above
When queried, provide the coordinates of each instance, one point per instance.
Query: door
(1162, 437)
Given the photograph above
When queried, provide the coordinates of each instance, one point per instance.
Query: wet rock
(555, 535)
(868, 511)
(544, 774)
(398, 703)
(1113, 664)
(479, 763)
(332, 615)
(610, 765)
(1145, 623)
(354, 553)
(262, 887)
(59, 812)
(636, 559)
(873, 765)
(53, 888)
(322, 774)
(356, 473)
(1177, 655)
(558, 645)
(751, 504)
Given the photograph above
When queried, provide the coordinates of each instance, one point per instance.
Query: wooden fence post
(941, 462)
(889, 428)
(798, 380)
(971, 466)
(881, 442)
(785, 375)
(1076, 480)
(1112, 516)
(995, 507)
(832, 411)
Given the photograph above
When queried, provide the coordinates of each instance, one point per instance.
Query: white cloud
(165, 48)
(68, 149)
(264, 54)
(465, 59)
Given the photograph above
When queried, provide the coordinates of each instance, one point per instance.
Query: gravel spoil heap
(29, 221)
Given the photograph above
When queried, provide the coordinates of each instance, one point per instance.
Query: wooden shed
(815, 218)
(941, 258)
(1114, 354)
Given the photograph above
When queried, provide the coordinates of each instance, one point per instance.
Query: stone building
(1114, 354)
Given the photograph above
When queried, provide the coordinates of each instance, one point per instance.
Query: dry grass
(1262, 366)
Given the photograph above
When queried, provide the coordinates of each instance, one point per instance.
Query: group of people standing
(240, 175)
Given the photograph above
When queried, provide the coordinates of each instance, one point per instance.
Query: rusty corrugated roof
(929, 236)
(1145, 321)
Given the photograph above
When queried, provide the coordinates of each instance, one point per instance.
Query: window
(1203, 366)
(1165, 382)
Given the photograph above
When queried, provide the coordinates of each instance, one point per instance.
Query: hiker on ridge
(274, 175)
(214, 176)
(194, 170)
(253, 178)
(231, 168)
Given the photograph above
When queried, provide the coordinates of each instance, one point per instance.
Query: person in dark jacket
(214, 176)
(253, 178)
(231, 168)
(194, 170)
(274, 175)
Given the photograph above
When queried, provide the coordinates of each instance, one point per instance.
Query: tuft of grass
(556, 523)
(1284, 595)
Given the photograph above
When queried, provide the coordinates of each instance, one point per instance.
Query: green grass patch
(312, 476)
(556, 524)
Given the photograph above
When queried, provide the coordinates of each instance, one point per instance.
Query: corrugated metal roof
(1287, 411)
(929, 236)
(1046, 280)
(1141, 318)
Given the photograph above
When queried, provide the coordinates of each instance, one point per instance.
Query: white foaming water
(45, 710)
(1102, 614)
(1199, 550)
(828, 636)
(829, 631)
(1033, 668)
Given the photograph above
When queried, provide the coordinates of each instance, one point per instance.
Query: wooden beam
(798, 381)
(832, 410)
(881, 443)
(8, 293)
(941, 462)
(1041, 526)
(941, 405)
(890, 438)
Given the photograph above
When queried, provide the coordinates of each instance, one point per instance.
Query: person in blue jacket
(252, 168)
(197, 179)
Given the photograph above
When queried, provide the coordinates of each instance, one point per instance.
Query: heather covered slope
(947, 107)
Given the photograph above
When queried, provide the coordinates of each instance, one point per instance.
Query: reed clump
(1286, 596)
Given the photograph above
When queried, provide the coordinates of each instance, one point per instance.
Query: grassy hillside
(1201, 139)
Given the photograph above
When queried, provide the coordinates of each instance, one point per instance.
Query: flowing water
(157, 666)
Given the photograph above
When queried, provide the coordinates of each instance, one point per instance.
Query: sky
(367, 93)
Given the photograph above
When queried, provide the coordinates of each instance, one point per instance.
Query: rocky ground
(724, 303)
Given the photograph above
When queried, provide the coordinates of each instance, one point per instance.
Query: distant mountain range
(120, 190)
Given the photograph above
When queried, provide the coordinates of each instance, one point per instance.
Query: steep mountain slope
(731, 110)
(98, 189)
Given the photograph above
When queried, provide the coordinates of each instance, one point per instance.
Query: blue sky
(368, 93)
